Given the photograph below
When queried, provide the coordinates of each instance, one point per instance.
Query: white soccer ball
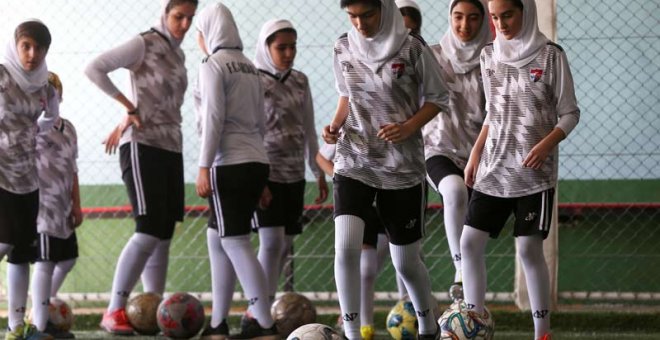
(314, 331)
(459, 323)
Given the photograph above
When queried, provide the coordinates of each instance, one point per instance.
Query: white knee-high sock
(271, 246)
(413, 272)
(530, 250)
(18, 278)
(285, 262)
(154, 274)
(250, 275)
(5, 248)
(473, 247)
(129, 267)
(368, 273)
(41, 287)
(349, 232)
(455, 200)
(382, 251)
(60, 271)
(223, 278)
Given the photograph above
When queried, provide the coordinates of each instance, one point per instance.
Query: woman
(513, 164)
(233, 170)
(382, 73)
(150, 150)
(24, 96)
(290, 138)
(412, 15)
(448, 139)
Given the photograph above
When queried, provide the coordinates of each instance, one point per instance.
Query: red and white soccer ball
(60, 314)
(180, 316)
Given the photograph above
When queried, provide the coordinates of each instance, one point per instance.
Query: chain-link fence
(610, 166)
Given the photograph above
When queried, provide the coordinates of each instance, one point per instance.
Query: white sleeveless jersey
(524, 105)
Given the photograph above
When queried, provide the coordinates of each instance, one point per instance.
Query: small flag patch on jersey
(535, 74)
(398, 69)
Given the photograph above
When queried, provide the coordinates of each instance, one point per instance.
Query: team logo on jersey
(490, 72)
(535, 74)
(398, 69)
(346, 66)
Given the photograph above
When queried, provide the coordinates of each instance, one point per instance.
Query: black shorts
(401, 211)
(18, 225)
(154, 181)
(533, 213)
(373, 227)
(439, 167)
(235, 194)
(55, 249)
(285, 208)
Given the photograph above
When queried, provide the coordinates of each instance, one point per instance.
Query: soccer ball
(291, 311)
(459, 323)
(314, 331)
(141, 311)
(60, 315)
(180, 316)
(401, 322)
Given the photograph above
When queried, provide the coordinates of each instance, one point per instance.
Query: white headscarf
(28, 81)
(523, 48)
(161, 25)
(408, 3)
(464, 56)
(377, 50)
(263, 60)
(218, 28)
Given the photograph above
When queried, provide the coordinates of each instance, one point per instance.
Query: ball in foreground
(459, 323)
(314, 331)
(291, 311)
(401, 322)
(142, 310)
(60, 315)
(180, 316)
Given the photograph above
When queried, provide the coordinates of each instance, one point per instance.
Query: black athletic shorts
(235, 194)
(154, 181)
(373, 227)
(18, 225)
(55, 249)
(439, 167)
(533, 213)
(285, 208)
(401, 211)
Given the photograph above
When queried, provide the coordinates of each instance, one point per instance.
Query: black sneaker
(249, 323)
(58, 333)
(257, 333)
(221, 332)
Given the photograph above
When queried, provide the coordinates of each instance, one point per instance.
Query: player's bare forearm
(75, 198)
(326, 165)
(423, 116)
(472, 166)
(330, 132)
(323, 190)
(341, 113)
(400, 131)
(540, 151)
